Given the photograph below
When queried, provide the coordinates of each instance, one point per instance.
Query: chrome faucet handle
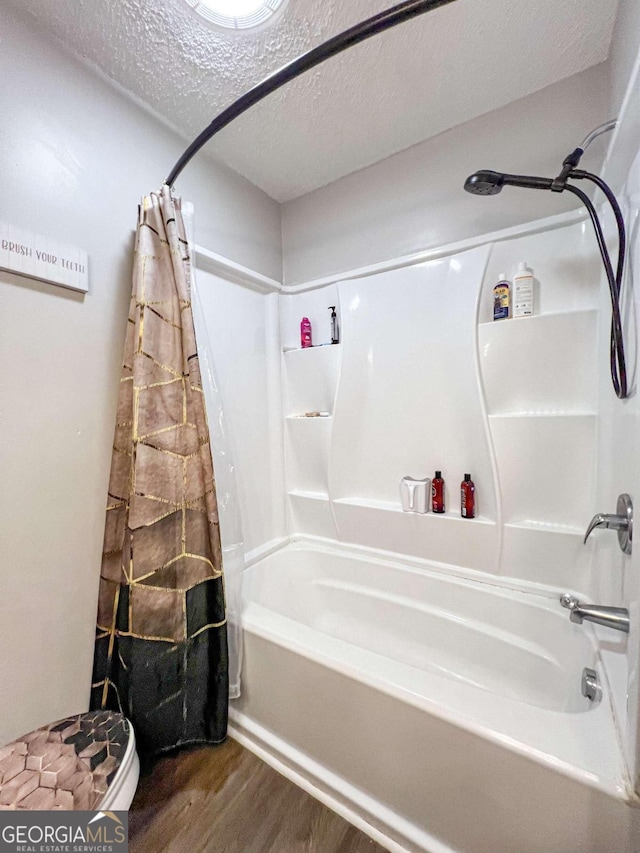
(621, 520)
(606, 520)
(598, 520)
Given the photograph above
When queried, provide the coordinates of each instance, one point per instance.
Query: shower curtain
(161, 642)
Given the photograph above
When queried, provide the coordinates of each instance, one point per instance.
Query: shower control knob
(621, 520)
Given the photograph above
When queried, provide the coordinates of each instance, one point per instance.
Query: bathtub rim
(395, 558)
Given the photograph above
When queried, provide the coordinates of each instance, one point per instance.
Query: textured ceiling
(409, 84)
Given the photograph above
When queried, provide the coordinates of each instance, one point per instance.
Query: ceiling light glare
(238, 14)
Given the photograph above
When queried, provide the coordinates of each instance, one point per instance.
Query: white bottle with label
(523, 291)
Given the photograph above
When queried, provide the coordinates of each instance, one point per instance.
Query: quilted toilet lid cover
(65, 765)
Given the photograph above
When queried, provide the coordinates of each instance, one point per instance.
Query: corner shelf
(527, 370)
(310, 380)
(310, 512)
(309, 496)
(289, 351)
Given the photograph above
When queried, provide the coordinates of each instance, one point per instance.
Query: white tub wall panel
(275, 406)
(310, 514)
(313, 304)
(619, 425)
(408, 399)
(310, 379)
(549, 557)
(540, 365)
(307, 443)
(237, 320)
(545, 466)
(474, 544)
(614, 573)
(565, 262)
(453, 786)
(627, 419)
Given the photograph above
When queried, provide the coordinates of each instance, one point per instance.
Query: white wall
(624, 48)
(415, 200)
(76, 158)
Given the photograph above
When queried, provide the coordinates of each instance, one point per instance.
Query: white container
(523, 291)
(415, 494)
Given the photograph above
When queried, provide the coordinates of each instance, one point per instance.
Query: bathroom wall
(414, 200)
(76, 158)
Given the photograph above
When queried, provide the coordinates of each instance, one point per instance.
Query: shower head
(487, 182)
(484, 182)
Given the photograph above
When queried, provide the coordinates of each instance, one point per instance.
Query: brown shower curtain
(161, 642)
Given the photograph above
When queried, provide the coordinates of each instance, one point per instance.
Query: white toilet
(86, 762)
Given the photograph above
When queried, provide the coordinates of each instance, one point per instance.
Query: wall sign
(37, 256)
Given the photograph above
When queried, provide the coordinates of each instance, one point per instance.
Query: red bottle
(467, 497)
(437, 493)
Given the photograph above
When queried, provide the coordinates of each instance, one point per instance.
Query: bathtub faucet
(611, 617)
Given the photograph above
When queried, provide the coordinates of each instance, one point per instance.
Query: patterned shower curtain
(161, 643)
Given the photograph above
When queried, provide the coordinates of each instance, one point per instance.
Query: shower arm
(354, 35)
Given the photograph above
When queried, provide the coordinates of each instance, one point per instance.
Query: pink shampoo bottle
(305, 333)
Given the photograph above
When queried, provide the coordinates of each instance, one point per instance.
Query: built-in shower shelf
(310, 380)
(310, 496)
(289, 351)
(392, 506)
(504, 326)
(529, 371)
(310, 511)
(298, 418)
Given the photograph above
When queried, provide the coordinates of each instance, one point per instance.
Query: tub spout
(611, 617)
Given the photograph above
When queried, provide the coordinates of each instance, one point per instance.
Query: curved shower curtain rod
(354, 35)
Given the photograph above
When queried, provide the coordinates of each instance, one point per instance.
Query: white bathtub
(439, 714)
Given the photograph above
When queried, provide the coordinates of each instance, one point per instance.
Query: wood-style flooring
(225, 800)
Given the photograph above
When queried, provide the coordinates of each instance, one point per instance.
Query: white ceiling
(397, 89)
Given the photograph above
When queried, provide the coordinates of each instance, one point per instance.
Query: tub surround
(445, 635)
(370, 613)
(426, 380)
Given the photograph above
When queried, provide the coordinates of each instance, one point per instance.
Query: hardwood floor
(225, 800)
